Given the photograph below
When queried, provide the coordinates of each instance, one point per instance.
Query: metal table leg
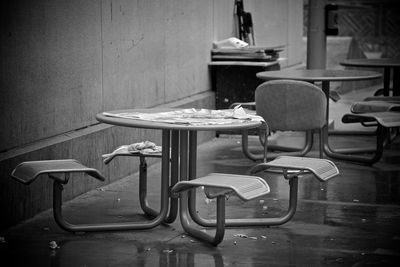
(396, 81)
(173, 202)
(187, 153)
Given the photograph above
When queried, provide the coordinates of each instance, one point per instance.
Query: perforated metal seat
(217, 184)
(388, 119)
(322, 169)
(26, 172)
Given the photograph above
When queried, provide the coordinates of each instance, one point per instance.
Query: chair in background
(374, 106)
(392, 99)
(288, 105)
(380, 112)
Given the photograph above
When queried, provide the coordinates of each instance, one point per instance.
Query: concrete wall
(62, 62)
(276, 23)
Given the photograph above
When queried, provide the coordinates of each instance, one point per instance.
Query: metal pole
(316, 37)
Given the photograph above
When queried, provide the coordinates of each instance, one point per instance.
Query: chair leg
(271, 155)
(351, 154)
(173, 211)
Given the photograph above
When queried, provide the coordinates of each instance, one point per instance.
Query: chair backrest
(288, 105)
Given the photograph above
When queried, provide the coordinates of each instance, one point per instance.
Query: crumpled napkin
(145, 147)
(240, 113)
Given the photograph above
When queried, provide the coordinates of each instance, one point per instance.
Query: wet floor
(351, 220)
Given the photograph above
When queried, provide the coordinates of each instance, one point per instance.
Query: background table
(387, 64)
(181, 140)
(325, 76)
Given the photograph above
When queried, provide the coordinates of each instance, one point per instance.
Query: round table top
(316, 75)
(371, 62)
(137, 123)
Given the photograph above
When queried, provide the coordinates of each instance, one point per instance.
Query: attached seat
(247, 188)
(384, 121)
(374, 106)
(60, 172)
(218, 185)
(57, 170)
(321, 168)
(27, 172)
(392, 99)
(388, 119)
(381, 112)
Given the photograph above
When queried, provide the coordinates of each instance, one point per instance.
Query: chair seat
(323, 169)
(26, 172)
(374, 106)
(216, 184)
(393, 99)
(387, 119)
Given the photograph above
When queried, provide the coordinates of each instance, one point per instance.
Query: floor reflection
(129, 253)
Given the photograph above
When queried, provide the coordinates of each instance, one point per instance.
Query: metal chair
(288, 105)
(247, 188)
(60, 172)
(385, 121)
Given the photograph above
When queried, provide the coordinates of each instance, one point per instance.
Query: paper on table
(192, 116)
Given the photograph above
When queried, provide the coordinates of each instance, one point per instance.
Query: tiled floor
(351, 220)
